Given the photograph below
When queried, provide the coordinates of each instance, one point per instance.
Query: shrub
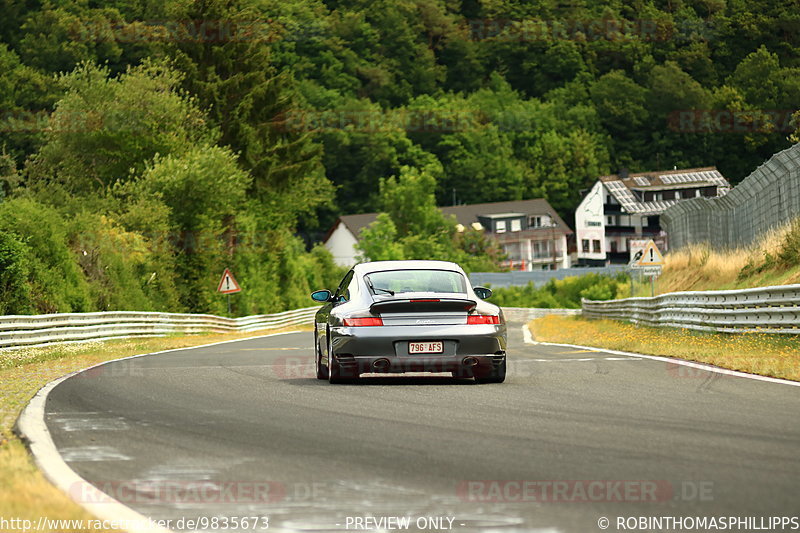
(14, 289)
(55, 280)
(566, 293)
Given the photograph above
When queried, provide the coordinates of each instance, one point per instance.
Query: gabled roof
(467, 214)
(622, 188)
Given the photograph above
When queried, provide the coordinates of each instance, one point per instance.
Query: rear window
(399, 281)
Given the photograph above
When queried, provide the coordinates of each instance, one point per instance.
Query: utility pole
(454, 196)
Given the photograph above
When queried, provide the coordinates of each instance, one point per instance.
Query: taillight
(426, 300)
(367, 321)
(483, 319)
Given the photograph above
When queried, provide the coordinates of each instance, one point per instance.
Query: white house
(532, 234)
(624, 207)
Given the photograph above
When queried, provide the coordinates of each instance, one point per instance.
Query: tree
(105, 129)
(204, 189)
(248, 97)
(412, 227)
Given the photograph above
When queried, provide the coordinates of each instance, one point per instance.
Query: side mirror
(322, 296)
(482, 292)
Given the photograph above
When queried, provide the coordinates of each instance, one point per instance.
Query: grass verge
(24, 491)
(773, 260)
(756, 353)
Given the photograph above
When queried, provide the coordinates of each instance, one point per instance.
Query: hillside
(147, 146)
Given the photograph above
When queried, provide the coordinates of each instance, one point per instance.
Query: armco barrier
(35, 330)
(764, 309)
(21, 331)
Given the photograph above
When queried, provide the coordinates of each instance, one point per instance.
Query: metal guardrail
(17, 331)
(765, 310)
(28, 331)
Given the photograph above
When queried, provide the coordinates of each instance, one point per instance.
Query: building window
(500, 227)
(585, 245)
(596, 246)
(541, 249)
(542, 221)
(610, 221)
(513, 251)
(516, 224)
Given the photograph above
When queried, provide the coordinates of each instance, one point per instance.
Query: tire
(337, 374)
(334, 371)
(322, 370)
(496, 375)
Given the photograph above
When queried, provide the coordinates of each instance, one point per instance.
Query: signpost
(649, 262)
(228, 285)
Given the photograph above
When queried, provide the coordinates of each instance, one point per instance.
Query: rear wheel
(496, 375)
(322, 370)
(334, 371)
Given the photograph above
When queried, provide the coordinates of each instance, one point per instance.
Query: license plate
(426, 347)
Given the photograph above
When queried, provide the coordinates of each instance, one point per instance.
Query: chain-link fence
(768, 197)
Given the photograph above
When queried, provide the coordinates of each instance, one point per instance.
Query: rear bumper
(385, 348)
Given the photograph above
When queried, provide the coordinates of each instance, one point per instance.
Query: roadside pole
(630, 273)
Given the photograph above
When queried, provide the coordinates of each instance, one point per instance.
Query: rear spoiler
(422, 305)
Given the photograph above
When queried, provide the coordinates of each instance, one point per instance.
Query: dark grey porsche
(409, 316)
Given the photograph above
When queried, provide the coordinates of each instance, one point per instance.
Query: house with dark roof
(621, 210)
(532, 234)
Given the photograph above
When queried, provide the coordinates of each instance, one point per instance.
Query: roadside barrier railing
(20, 331)
(36, 330)
(773, 309)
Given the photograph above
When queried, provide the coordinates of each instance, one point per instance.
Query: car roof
(380, 266)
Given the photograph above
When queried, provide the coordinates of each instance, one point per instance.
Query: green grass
(756, 353)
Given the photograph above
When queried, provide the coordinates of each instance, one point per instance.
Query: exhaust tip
(381, 364)
(469, 361)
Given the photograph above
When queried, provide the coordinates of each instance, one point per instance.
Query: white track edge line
(32, 428)
(528, 338)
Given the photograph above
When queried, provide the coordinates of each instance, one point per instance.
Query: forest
(145, 146)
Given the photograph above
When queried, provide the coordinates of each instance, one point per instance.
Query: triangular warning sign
(651, 256)
(228, 285)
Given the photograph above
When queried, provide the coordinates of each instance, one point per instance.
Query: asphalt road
(244, 429)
